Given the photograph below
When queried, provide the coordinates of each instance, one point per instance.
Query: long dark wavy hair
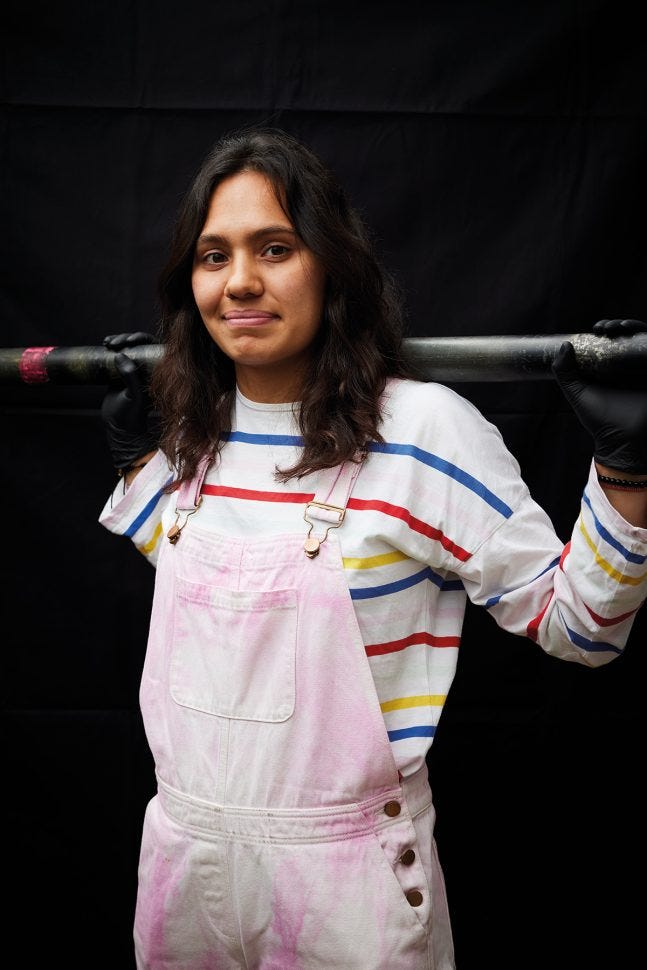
(358, 344)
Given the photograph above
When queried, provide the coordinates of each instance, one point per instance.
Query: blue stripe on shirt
(138, 522)
(604, 534)
(446, 467)
(293, 440)
(495, 599)
(368, 592)
(417, 731)
(591, 646)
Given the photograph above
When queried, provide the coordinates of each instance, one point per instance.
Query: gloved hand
(132, 427)
(615, 415)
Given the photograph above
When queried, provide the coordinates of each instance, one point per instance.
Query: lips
(248, 318)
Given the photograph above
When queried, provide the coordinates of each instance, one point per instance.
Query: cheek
(307, 294)
(206, 293)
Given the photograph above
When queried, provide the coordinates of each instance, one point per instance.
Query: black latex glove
(614, 414)
(132, 427)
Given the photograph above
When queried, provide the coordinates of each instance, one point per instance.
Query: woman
(317, 521)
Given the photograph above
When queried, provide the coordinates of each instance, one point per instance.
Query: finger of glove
(568, 377)
(564, 366)
(128, 408)
(135, 390)
(117, 341)
(618, 327)
(634, 326)
(131, 376)
(577, 392)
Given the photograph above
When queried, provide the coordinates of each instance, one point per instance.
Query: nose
(244, 279)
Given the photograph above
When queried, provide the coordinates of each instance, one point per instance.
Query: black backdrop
(499, 152)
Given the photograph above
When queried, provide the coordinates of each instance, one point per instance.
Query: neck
(269, 389)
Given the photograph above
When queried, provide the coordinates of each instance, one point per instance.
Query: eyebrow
(213, 239)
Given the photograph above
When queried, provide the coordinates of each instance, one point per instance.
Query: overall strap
(330, 501)
(188, 500)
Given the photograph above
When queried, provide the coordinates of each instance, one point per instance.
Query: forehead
(244, 200)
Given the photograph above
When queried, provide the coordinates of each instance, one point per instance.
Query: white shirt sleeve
(135, 511)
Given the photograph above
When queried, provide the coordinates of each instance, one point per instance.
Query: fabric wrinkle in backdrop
(498, 152)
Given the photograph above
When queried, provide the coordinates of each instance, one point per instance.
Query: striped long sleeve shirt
(438, 513)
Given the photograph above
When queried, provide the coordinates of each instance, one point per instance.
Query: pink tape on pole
(33, 365)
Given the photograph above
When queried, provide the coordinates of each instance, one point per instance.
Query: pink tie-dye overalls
(282, 836)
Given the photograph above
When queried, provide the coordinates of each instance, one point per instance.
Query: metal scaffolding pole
(444, 359)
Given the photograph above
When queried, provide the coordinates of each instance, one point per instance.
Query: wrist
(626, 492)
(130, 471)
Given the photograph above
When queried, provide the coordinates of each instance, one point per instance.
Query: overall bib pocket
(234, 652)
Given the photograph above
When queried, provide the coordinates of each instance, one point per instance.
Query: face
(258, 288)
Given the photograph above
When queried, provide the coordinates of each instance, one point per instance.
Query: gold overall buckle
(312, 544)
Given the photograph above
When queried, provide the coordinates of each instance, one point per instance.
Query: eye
(276, 251)
(214, 258)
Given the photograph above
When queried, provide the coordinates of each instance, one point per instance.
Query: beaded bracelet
(623, 484)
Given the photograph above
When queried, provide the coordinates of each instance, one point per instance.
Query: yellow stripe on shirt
(148, 547)
(371, 562)
(606, 566)
(419, 700)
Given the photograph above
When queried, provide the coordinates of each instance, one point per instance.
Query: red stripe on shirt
(416, 524)
(533, 626)
(610, 620)
(354, 503)
(250, 493)
(375, 649)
